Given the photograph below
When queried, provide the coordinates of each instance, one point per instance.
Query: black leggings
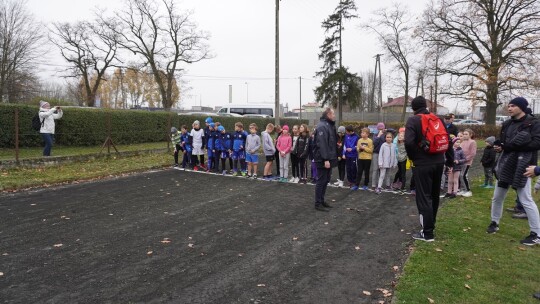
(363, 165)
(303, 169)
(295, 167)
(401, 173)
(466, 178)
(341, 169)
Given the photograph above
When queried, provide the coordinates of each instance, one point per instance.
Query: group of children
(241, 149)
(359, 157)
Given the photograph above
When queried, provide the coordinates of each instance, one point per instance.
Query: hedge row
(89, 126)
(480, 131)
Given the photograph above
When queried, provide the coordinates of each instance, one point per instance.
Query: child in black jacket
(488, 162)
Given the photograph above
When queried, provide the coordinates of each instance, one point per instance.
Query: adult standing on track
(47, 117)
(325, 155)
(427, 170)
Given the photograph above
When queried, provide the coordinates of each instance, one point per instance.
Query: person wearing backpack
(427, 146)
(47, 117)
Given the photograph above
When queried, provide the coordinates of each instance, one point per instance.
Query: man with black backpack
(427, 146)
(47, 117)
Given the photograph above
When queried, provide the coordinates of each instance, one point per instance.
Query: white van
(243, 109)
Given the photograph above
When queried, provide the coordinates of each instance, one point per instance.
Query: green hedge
(480, 131)
(88, 126)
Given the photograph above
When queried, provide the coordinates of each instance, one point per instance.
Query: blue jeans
(48, 139)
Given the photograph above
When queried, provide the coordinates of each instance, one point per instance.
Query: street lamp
(247, 92)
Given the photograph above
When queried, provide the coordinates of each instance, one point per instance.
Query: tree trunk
(491, 103)
(406, 97)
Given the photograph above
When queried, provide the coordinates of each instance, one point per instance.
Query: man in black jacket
(449, 123)
(325, 155)
(520, 142)
(427, 170)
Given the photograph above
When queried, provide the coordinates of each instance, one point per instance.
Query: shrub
(89, 126)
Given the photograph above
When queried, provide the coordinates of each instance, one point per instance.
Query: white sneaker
(459, 193)
(337, 182)
(292, 179)
(297, 180)
(467, 194)
(340, 184)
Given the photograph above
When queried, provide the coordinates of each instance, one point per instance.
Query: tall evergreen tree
(338, 85)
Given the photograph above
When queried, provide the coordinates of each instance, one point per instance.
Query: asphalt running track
(190, 237)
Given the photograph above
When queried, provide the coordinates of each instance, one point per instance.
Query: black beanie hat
(418, 102)
(521, 103)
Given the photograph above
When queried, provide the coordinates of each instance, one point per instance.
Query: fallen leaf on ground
(1, 274)
(58, 245)
(261, 285)
(367, 293)
(357, 247)
(396, 268)
(190, 245)
(326, 223)
(166, 241)
(522, 248)
(5, 253)
(295, 238)
(431, 300)
(149, 252)
(438, 249)
(333, 200)
(468, 277)
(467, 286)
(240, 254)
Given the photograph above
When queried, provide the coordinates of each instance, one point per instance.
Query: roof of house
(398, 101)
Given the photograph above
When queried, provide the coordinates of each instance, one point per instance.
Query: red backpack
(435, 139)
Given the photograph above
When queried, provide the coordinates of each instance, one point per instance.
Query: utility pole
(300, 96)
(230, 93)
(276, 93)
(340, 93)
(373, 102)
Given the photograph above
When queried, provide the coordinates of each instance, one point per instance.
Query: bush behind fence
(91, 126)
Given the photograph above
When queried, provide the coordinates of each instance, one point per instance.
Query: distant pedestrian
(387, 161)
(365, 153)
(350, 155)
(488, 162)
(449, 123)
(253, 144)
(47, 116)
(284, 146)
(325, 155)
(427, 170)
(269, 150)
(378, 140)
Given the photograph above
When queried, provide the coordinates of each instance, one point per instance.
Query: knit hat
(418, 102)
(285, 127)
(341, 129)
(174, 130)
(43, 104)
(212, 125)
(196, 122)
(209, 120)
(490, 140)
(220, 128)
(402, 129)
(380, 126)
(521, 103)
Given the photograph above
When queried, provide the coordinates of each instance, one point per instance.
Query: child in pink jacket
(284, 146)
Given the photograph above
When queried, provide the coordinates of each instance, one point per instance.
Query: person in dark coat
(427, 170)
(325, 155)
(488, 162)
(520, 142)
(449, 123)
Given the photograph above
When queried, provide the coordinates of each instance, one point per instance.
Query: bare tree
(394, 30)
(486, 40)
(164, 38)
(20, 40)
(90, 49)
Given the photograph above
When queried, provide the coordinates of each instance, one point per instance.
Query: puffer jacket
(301, 147)
(48, 116)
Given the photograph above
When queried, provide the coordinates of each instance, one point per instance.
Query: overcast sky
(242, 39)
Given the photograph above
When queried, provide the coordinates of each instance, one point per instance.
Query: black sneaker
(421, 237)
(492, 228)
(325, 205)
(536, 295)
(531, 240)
(320, 208)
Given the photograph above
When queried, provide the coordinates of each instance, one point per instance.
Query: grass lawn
(35, 152)
(20, 178)
(467, 265)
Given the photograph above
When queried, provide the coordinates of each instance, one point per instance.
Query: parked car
(229, 115)
(500, 119)
(257, 115)
(199, 113)
(468, 122)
